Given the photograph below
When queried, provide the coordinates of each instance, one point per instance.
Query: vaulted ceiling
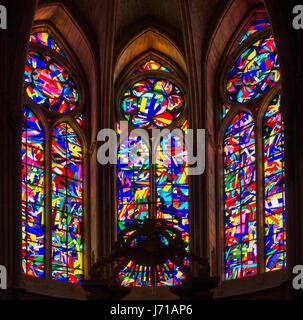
(133, 16)
(130, 17)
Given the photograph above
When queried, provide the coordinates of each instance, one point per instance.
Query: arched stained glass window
(67, 204)
(254, 188)
(52, 217)
(153, 190)
(33, 195)
(274, 187)
(240, 197)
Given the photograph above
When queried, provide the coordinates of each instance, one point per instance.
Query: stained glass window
(152, 103)
(33, 196)
(158, 190)
(254, 75)
(50, 88)
(256, 70)
(172, 190)
(151, 65)
(184, 126)
(274, 187)
(133, 194)
(67, 204)
(133, 179)
(80, 120)
(259, 24)
(240, 198)
(45, 39)
(49, 84)
(225, 110)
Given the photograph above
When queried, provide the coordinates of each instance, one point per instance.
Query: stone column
(13, 47)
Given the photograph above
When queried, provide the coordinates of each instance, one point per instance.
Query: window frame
(125, 80)
(49, 120)
(257, 109)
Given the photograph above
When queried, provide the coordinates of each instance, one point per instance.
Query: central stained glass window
(158, 190)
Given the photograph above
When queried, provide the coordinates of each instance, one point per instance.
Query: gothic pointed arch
(252, 142)
(54, 93)
(148, 42)
(152, 95)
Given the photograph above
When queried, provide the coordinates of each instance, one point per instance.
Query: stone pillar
(290, 49)
(13, 47)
